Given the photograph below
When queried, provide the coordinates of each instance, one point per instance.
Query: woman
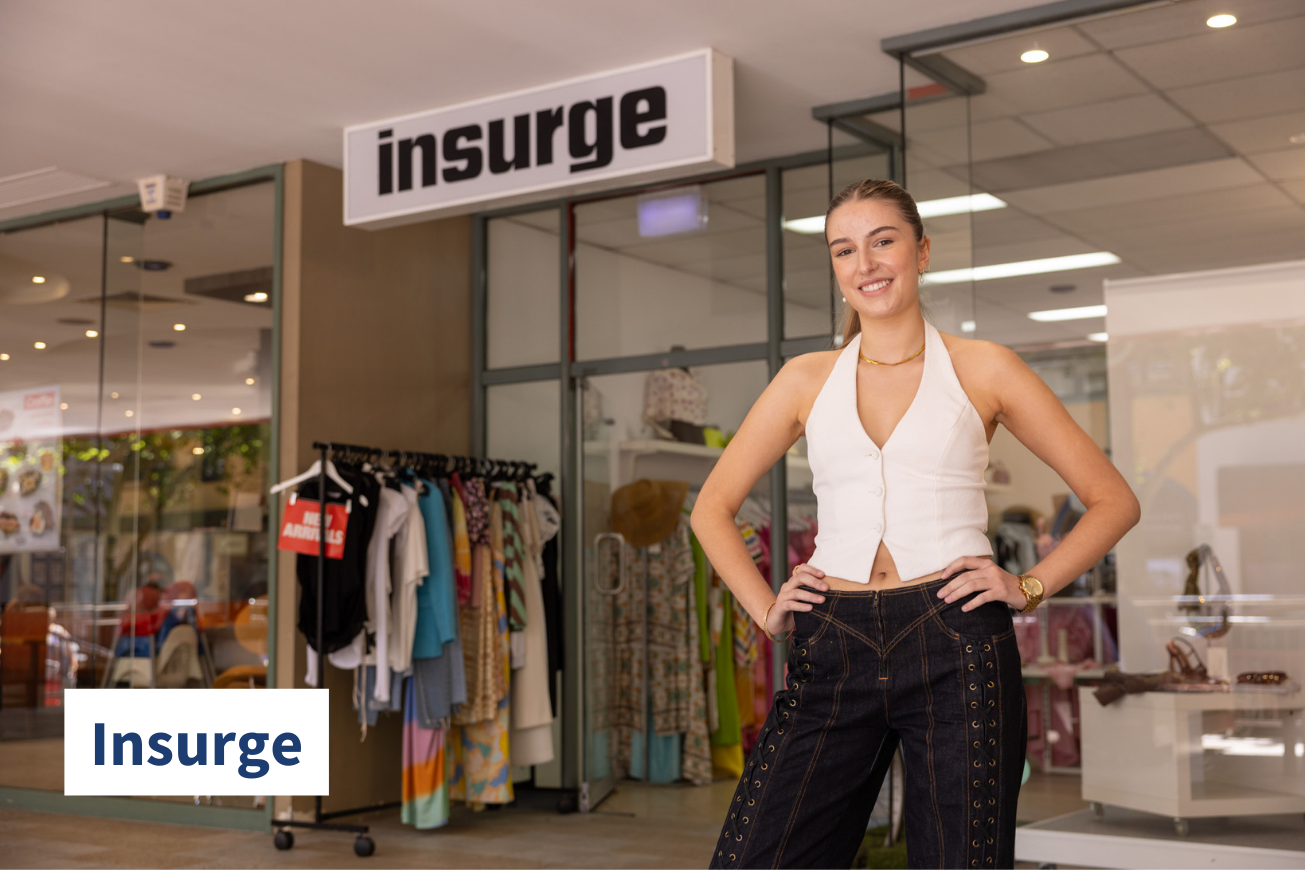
(900, 625)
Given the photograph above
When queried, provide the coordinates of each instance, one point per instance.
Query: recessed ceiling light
(129, 412)
(4, 357)
(40, 345)
(91, 333)
(1297, 139)
(196, 396)
(260, 296)
(63, 406)
(1221, 20)
(1098, 336)
(249, 382)
(126, 259)
(235, 411)
(198, 451)
(1023, 267)
(810, 226)
(1057, 314)
(113, 395)
(968, 326)
(1034, 55)
(179, 327)
(37, 279)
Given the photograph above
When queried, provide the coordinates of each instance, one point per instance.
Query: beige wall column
(376, 350)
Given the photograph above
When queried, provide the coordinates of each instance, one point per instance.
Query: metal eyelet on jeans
(763, 767)
(989, 860)
(989, 664)
(971, 667)
(990, 684)
(974, 705)
(986, 648)
(976, 744)
(989, 839)
(751, 802)
(992, 762)
(973, 687)
(974, 843)
(792, 702)
(976, 805)
(969, 648)
(990, 782)
(974, 724)
(976, 785)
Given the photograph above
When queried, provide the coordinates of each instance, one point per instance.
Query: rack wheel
(284, 840)
(1098, 810)
(1181, 826)
(363, 846)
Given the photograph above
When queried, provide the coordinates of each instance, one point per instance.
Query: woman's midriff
(883, 575)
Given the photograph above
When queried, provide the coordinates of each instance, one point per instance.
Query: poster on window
(30, 464)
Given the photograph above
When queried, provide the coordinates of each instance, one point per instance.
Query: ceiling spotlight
(4, 357)
(63, 406)
(126, 259)
(235, 411)
(1034, 55)
(129, 413)
(40, 345)
(198, 451)
(179, 327)
(113, 395)
(249, 382)
(1221, 20)
(196, 396)
(91, 333)
(968, 326)
(1098, 336)
(260, 296)
(1298, 139)
(37, 279)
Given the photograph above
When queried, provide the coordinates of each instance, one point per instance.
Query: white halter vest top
(922, 495)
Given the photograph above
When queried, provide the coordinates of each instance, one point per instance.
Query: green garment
(700, 597)
(727, 700)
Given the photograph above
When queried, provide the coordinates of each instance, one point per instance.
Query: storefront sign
(302, 524)
(656, 120)
(30, 469)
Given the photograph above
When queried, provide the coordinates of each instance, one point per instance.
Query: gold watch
(1032, 588)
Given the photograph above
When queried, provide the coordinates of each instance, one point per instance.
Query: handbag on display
(1203, 561)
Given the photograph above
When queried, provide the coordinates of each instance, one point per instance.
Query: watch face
(1035, 586)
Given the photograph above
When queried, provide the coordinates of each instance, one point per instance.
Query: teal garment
(663, 757)
(437, 604)
(700, 598)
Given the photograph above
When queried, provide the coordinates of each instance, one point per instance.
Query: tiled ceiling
(1169, 144)
(1147, 134)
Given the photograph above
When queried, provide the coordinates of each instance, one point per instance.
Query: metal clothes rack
(363, 845)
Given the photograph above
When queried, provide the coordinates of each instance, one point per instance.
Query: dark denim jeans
(867, 671)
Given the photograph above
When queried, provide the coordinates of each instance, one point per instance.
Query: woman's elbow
(1132, 509)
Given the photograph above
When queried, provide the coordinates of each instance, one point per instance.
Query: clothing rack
(363, 845)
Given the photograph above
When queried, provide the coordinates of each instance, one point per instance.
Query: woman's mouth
(872, 287)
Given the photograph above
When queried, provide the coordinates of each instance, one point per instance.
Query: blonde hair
(873, 188)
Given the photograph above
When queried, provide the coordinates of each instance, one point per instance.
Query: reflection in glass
(702, 287)
(149, 567)
(522, 289)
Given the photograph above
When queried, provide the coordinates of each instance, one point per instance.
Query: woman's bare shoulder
(980, 359)
(808, 372)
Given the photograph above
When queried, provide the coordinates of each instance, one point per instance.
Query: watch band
(1031, 601)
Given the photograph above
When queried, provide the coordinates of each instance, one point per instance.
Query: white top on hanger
(313, 471)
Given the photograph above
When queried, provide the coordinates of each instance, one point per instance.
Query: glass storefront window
(521, 289)
(136, 442)
(675, 267)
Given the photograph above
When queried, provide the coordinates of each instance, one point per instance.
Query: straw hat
(647, 511)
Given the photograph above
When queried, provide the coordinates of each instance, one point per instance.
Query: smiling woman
(897, 424)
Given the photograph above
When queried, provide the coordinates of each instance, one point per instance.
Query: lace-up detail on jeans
(979, 672)
(762, 761)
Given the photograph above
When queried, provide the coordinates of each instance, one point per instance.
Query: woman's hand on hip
(794, 595)
(984, 577)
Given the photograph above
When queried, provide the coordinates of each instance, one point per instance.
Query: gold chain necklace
(876, 362)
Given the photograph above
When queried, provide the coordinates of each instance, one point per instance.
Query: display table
(1194, 755)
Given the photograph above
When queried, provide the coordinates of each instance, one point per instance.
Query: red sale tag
(303, 520)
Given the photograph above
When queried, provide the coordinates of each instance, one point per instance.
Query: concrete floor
(638, 826)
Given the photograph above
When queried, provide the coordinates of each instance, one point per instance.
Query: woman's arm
(769, 430)
(1033, 414)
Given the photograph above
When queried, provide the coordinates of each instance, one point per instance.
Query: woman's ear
(923, 258)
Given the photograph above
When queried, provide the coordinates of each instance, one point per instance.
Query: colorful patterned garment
(513, 553)
(674, 394)
(481, 773)
(476, 503)
(478, 628)
(425, 789)
(461, 550)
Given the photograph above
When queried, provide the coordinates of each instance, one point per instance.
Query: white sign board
(668, 118)
(196, 741)
(30, 469)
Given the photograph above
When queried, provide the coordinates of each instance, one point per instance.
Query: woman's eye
(883, 242)
(844, 251)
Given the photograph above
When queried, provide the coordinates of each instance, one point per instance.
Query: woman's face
(877, 260)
